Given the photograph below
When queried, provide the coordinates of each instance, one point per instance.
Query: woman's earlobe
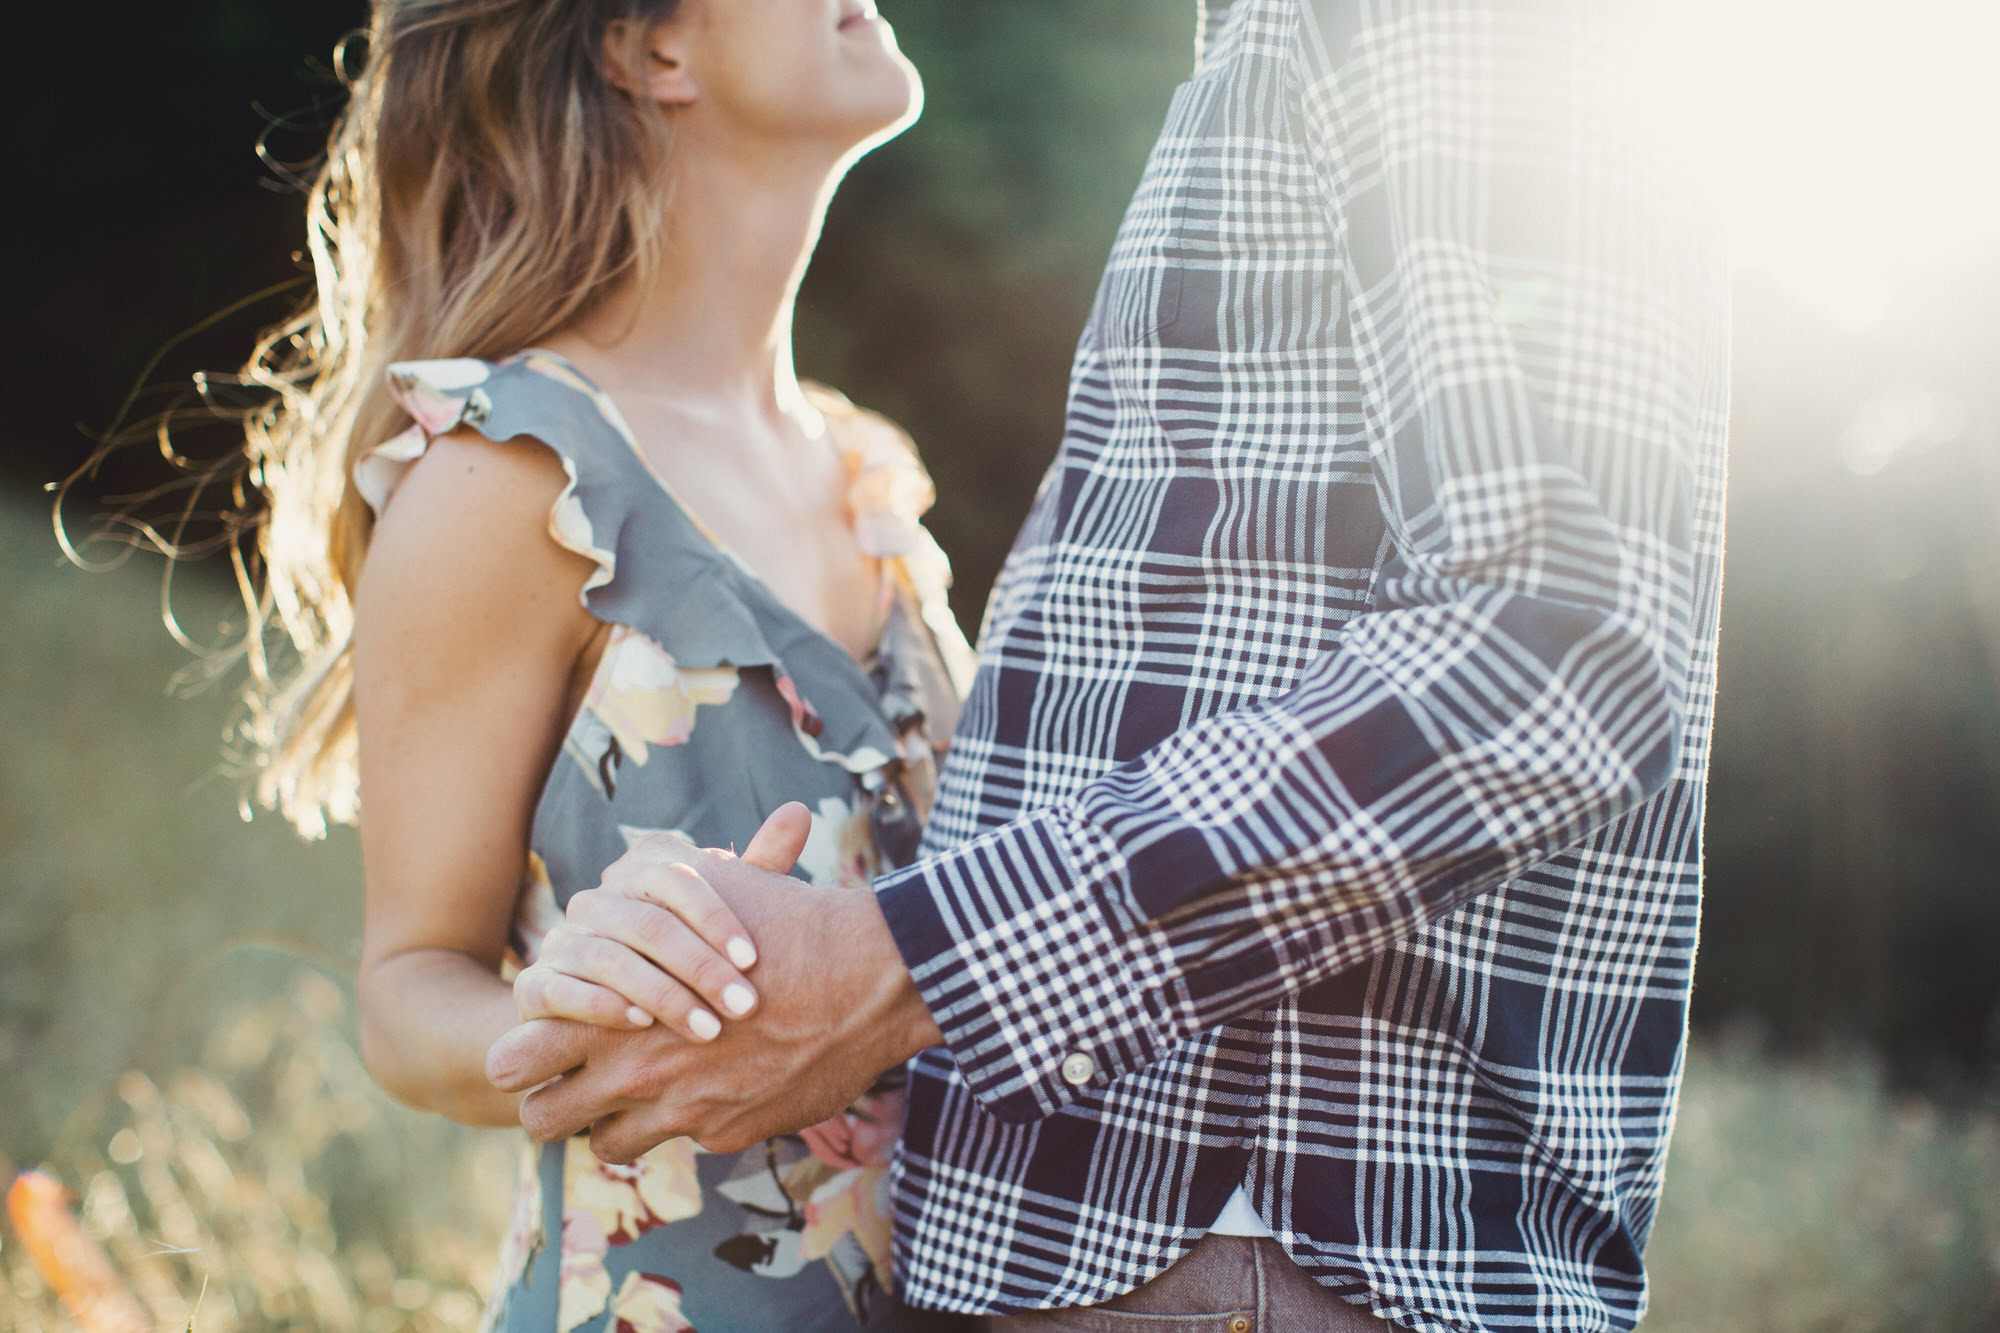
(648, 63)
(669, 81)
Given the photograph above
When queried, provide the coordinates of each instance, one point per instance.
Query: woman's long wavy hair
(486, 184)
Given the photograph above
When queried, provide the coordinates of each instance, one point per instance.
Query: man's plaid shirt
(1326, 815)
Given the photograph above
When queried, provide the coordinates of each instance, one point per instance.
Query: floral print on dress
(445, 396)
(523, 1239)
(822, 1196)
(808, 726)
(535, 915)
(888, 491)
(648, 1303)
(585, 1281)
(805, 718)
(641, 698)
(859, 1145)
(606, 1205)
(840, 851)
(628, 1201)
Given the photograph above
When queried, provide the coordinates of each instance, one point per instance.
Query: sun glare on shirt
(1851, 146)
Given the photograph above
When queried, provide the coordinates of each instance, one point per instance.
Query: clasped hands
(703, 995)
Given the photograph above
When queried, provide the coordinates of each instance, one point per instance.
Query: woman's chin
(900, 107)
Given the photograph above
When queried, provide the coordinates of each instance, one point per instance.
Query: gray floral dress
(713, 704)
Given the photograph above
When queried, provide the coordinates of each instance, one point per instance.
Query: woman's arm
(468, 635)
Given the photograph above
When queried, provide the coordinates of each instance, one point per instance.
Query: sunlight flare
(1850, 147)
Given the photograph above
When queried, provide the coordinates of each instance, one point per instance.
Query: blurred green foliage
(1803, 1197)
(131, 892)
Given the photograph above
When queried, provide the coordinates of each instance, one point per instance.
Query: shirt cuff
(1044, 981)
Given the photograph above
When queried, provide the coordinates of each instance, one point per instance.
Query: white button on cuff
(1078, 1069)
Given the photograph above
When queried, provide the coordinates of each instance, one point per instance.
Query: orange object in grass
(73, 1264)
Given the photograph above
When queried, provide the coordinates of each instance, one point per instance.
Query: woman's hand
(654, 942)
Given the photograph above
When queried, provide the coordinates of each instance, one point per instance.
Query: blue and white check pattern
(1333, 778)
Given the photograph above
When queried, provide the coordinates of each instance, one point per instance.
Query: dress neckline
(719, 548)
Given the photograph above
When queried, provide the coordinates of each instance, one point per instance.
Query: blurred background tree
(1854, 824)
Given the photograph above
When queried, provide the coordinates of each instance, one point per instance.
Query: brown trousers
(1225, 1284)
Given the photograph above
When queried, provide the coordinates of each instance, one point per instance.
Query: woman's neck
(715, 322)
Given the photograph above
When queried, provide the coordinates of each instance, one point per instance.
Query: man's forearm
(897, 1007)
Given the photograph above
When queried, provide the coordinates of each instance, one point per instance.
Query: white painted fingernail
(738, 998)
(705, 1025)
(742, 952)
(638, 1017)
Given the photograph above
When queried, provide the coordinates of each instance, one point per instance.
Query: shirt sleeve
(1538, 331)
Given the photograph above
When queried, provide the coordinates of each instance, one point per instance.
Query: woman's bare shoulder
(462, 464)
(465, 539)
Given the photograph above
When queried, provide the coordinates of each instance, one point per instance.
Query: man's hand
(837, 1008)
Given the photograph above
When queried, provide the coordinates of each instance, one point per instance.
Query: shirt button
(1078, 1069)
